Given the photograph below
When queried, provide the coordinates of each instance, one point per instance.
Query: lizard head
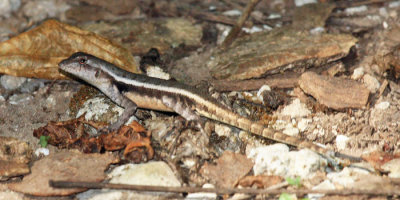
(85, 67)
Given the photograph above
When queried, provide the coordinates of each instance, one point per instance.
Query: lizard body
(135, 90)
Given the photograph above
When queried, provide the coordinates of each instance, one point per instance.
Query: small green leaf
(285, 196)
(294, 182)
(43, 141)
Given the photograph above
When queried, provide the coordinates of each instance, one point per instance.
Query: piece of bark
(14, 150)
(11, 168)
(279, 50)
(64, 166)
(335, 93)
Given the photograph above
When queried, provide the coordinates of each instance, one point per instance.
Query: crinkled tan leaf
(36, 53)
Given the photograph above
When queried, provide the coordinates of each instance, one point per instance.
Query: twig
(346, 4)
(236, 29)
(212, 18)
(300, 192)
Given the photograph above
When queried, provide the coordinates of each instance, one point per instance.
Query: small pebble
(203, 195)
(342, 141)
(357, 73)
(8, 6)
(11, 82)
(42, 152)
(371, 83)
(354, 10)
(296, 109)
(19, 98)
(303, 2)
(382, 105)
(232, 13)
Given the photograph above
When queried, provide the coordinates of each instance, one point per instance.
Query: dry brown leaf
(260, 181)
(72, 135)
(37, 52)
(230, 168)
(379, 158)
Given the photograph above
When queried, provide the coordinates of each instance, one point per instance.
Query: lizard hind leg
(181, 107)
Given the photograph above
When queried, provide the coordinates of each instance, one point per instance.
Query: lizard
(131, 90)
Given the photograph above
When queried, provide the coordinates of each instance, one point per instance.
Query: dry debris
(229, 168)
(72, 135)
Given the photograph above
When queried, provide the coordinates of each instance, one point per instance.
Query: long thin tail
(226, 116)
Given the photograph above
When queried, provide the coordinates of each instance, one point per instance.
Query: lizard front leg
(130, 107)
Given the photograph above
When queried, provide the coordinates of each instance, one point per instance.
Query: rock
(341, 142)
(20, 98)
(39, 10)
(202, 195)
(8, 6)
(354, 10)
(382, 105)
(151, 173)
(42, 152)
(325, 185)
(292, 131)
(155, 173)
(303, 2)
(347, 176)
(232, 13)
(296, 109)
(11, 82)
(393, 167)
(31, 85)
(303, 124)
(357, 73)
(371, 83)
(100, 109)
(277, 160)
(222, 130)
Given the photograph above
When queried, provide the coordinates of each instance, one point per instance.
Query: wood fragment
(335, 93)
(384, 85)
(286, 80)
(236, 29)
(347, 4)
(95, 185)
(206, 16)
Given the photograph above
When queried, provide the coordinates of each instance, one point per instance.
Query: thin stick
(236, 29)
(95, 185)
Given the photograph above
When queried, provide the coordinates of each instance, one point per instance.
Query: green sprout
(43, 141)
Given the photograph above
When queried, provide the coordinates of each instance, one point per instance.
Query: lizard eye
(82, 61)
